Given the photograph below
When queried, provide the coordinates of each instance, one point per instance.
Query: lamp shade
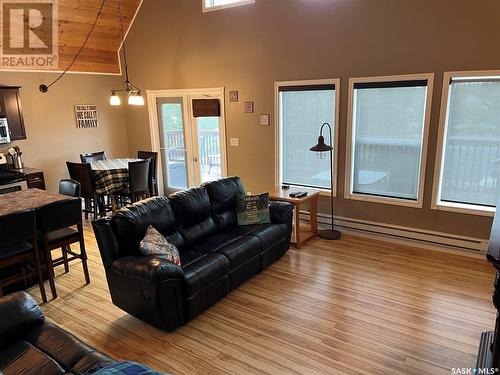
(114, 99)
(321, 146)
(135, 98)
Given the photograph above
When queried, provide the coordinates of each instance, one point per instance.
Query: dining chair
(61, 225)
(70, 188)
(94, 202)
(153, 169)
(18, 246)
(138, 186)
(94, 156)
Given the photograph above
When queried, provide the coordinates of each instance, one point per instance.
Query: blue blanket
(126, 368)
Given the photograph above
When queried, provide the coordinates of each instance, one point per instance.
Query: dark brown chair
(138, 185)
(89, 158)
(94, 203)
(153, 169)
(70, 188)
(18, 246)
(57, 224)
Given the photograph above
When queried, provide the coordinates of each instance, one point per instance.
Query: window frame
(437, 204)
(219, 7)
(348, 186)
(335, 130)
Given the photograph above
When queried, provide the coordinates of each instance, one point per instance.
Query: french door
(188, 132)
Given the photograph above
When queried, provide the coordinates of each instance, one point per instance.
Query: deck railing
(208, 143)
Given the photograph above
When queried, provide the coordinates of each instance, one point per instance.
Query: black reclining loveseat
(31, 346)
(216, 254)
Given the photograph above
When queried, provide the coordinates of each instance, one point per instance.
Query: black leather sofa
(217, 255)
(31, 346)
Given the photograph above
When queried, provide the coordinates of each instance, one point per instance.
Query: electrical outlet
(234, 142)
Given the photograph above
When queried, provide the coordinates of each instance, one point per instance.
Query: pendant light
(133, 92)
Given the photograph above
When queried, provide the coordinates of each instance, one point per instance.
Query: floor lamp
(321, 148)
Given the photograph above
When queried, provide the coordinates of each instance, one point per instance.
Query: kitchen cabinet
(10, 107)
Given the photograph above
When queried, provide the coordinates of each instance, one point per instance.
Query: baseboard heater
(419, 237)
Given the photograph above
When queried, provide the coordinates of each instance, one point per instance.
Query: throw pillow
(253, 209)
(154, 243)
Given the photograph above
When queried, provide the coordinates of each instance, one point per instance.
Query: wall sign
(248, 106)
(86, 116)
(233, 96)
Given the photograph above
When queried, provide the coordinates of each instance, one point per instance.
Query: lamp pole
(321, 147)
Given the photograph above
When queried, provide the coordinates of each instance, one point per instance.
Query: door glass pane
(172, 144)
(472, 147)
(209, 154)
(302, 113)
(388, 136)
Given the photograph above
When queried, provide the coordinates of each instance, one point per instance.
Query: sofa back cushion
(192, 214)
(131, 223)
(223, 196)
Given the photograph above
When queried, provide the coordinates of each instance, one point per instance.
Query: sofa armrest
(151, 268)
(281, 212)
(19, 314)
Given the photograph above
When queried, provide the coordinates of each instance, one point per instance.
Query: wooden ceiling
(101, 52)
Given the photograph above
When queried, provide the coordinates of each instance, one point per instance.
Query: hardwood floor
(354, 306)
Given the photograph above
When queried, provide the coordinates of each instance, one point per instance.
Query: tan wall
(52, 136)
(174, 45)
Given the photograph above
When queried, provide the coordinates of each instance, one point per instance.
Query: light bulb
(114, 99)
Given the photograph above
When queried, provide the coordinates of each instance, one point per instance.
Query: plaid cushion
(126, 368)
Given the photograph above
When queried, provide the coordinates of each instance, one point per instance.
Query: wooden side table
(301, 234)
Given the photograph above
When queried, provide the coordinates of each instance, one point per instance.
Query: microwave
(4, 131)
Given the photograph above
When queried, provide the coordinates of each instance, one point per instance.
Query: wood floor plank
(353, 306)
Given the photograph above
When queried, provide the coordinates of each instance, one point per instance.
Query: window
(209, 5)
(302, 107)
(469, 156)
(387, 138)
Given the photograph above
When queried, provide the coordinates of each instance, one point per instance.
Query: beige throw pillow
(154, 243)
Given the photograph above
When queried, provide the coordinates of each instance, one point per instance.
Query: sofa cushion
(130, 224)
(269, 234)
(23, 358)
(65, 348)
(241, 250)
(214, 243)
(203, 270)
(223, 196)
(192, 214)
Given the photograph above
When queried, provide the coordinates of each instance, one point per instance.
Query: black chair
(94, 202)
(138, 186)
(153, 167)
(89, 158)
(70, 188)
(57, 221)
(15, 231)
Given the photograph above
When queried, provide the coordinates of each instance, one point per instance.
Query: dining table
(29, 199)
(111, 176)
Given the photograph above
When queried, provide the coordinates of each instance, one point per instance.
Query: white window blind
(388, 128)
(303, 109)
(471, 165)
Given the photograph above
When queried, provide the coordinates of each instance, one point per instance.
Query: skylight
(209, 5)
